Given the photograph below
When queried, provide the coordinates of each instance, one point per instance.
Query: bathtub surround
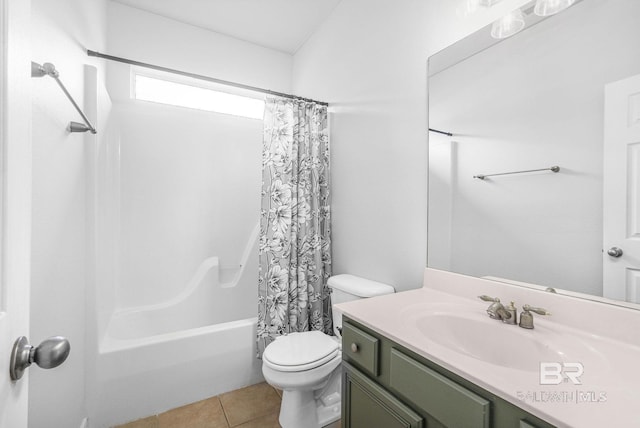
(178, 238)
(295, 222)
(178, 199)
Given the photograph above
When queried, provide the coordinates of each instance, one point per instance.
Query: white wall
(150, 38)
(61, 31)
(369, 61)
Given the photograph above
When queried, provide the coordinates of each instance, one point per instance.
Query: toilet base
(329, 404)
(298, 410)
(312, 409)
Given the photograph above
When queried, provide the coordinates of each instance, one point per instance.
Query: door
(15, 200)
(621, 200)
(365, 404)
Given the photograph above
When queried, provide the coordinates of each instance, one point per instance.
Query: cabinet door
(367, 405)
(448, 402)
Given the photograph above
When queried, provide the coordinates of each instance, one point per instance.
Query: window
(182, 95)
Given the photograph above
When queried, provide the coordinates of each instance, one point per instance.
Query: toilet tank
(346, 288)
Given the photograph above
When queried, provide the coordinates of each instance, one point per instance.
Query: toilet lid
(300, 351)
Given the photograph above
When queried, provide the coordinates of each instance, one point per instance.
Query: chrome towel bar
(48, 69)
(484, 176)
(437, 131)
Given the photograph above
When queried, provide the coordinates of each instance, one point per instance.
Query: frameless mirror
(539, 181)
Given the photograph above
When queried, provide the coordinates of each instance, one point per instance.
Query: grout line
(224, 411)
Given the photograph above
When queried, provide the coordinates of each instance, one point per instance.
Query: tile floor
(255, 406)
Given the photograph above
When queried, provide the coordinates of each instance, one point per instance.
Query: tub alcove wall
(177, 200)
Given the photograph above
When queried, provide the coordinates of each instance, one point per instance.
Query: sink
(477, 336)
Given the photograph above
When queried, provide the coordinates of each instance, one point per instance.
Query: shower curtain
(295, 232)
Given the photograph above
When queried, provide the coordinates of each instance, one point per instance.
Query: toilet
(306, 366)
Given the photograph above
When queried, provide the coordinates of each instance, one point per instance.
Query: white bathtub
(197, 345)
(152, 376)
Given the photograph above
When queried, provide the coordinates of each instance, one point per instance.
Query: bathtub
(197, 345)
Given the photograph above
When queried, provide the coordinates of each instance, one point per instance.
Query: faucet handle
(526, 318)
(496, 309)
(539, 311)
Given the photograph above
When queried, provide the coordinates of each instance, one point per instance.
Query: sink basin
(492, 341)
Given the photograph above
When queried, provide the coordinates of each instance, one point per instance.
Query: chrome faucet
(497, 311)
(526, 318)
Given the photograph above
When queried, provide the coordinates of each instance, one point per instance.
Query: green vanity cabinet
(371, 406)
(386, 386)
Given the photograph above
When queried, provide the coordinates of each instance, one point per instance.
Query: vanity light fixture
(551, 7)
(514, 22)
(508, 25)
(469, 7)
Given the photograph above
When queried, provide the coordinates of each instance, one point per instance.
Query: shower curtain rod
(201, 77)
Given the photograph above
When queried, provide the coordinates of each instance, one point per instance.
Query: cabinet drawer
(360, 348)
(449, 403)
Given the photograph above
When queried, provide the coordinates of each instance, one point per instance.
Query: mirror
(535, 101)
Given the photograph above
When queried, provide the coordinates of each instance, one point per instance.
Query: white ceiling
(283, 25)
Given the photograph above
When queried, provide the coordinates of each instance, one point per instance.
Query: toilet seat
(300, 351)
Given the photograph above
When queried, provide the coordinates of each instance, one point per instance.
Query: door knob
(615, 252)
(49, 354)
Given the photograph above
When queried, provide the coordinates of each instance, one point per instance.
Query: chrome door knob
(615, 252)
(49, 354)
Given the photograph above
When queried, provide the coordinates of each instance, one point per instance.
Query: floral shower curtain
(295, 234)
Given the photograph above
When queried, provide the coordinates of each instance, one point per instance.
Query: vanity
(384, 381)
(432, 357)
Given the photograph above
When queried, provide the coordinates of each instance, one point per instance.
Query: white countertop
(609, 393)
